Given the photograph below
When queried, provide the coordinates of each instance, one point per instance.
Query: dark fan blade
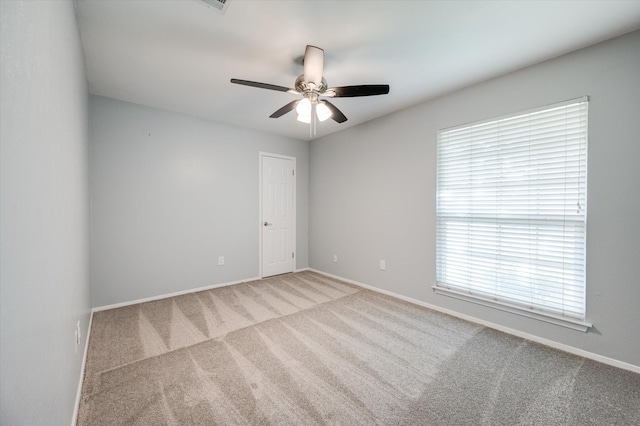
(364, 90)
(285, 109)
(263, 85)
(336, 114)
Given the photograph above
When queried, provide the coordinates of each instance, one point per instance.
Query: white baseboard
(76, 407)
(527, 336)
(177, 293)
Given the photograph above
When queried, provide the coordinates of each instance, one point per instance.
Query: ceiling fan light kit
(322, 111)
(304, 107)
(311, 85)
(304, 111)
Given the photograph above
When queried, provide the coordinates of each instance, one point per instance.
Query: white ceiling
(179, 55)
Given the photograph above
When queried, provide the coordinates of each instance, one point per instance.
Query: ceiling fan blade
(285, 109)
(355, 91)
(313, 65)
(336, 114)
(263, 85)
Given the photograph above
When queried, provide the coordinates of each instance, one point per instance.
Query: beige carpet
(304, 349)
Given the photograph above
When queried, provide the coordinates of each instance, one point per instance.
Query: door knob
(267, 224)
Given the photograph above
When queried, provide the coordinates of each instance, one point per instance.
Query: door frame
(261, 155)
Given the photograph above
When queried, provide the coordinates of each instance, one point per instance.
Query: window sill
(515, 309)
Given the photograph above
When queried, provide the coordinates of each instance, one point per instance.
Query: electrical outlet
(383, 265)
(221, 261)
(335, 258)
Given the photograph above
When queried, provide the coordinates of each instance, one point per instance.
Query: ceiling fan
(311, 85)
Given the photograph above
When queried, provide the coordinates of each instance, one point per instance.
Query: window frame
(501, 302)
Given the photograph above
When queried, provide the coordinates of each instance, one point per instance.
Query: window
(511, 213)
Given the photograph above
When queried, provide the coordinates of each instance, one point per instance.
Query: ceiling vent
(220, 5)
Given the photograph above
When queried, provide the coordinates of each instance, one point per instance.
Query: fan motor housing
(304, 87)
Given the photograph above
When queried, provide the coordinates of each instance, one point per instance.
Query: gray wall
(372, 192)
(44, 212)
(170, 194)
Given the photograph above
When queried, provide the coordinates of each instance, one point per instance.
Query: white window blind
(511, 210)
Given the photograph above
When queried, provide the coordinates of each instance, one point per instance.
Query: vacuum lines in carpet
(304, 349)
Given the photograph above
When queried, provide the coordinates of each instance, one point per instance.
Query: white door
(278, 215)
